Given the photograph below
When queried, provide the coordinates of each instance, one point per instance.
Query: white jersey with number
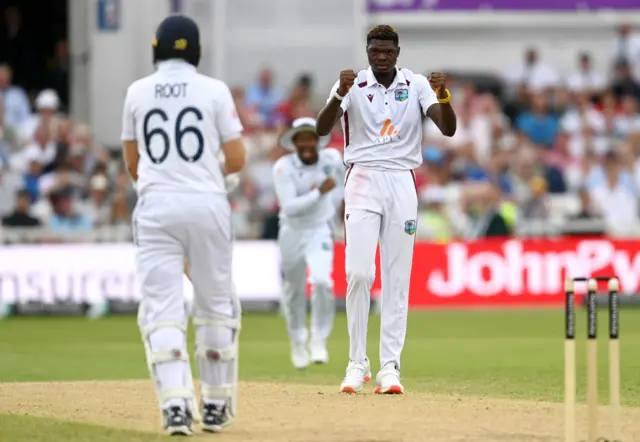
(383, 126)
(296, 184)
(179, 118)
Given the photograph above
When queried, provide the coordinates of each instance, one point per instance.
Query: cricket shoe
(319, 353)
(215, 418)
(358, 373)
(388, 380)
(299, 355)
(178, 421)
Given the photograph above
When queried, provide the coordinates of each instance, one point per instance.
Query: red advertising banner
(508, 273)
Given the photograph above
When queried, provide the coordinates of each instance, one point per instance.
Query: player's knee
(324, 284)
(358, 276)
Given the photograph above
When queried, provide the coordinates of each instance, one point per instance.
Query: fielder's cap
(300, 125)
(47, 99)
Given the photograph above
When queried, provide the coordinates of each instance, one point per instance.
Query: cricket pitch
(286, 412)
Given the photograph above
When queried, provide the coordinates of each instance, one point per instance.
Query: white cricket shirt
(383, 126)
(300, 206)
(180, 119)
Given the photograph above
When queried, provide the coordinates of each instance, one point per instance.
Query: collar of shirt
(297, 162)
(399, 79)
(174, 64)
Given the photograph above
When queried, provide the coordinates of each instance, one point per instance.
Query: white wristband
(338, 96)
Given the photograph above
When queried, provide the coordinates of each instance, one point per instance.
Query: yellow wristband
(445, 100)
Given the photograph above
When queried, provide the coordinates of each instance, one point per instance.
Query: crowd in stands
(560, 151)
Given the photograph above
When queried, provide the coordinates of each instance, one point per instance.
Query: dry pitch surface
(273, 412)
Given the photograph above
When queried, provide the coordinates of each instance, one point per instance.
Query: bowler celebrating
(176, 126)
(306, 185)
(381, 110)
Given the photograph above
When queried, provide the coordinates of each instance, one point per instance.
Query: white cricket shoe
(388, 380)
(358, 373)
(299, 355)
(319, 353)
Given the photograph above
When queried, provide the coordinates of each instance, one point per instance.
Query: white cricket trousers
(380, 206)
(312, 249)
(169, 228)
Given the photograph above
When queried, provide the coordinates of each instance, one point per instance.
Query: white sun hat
(305, 124)
(48, 99)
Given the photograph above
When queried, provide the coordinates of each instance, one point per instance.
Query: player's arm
(129, 142)
(230, 130)
(435, 99)
(336, 106)
(290, 203)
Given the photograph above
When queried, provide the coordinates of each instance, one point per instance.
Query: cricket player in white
(308, 184)
(176, 125)
(381, 109)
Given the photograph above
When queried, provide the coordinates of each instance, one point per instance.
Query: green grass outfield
(509, 353)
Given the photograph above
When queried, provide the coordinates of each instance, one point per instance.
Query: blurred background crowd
(537, 151)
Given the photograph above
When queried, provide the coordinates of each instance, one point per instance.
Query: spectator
(529, 166)
(614, 194)
(66, 223)
(16, 102)
(298, 104)
(8, 138)
(433, 218)
(47, 105)
(517, 104)
(627, 119)
(10, 183)
(98, 207)
(627, 48)
(42, 149)
(624, 83)
(83, 145)
(481, 205)
(264, 99)
(609, 107)
(586, 79)
(247, 117)
(63, 178)
(32, 176)
(539, 124)
(536, 206)
(436, 166)
(534, 74)
(20, 216)
(587, 222)
(585, 125)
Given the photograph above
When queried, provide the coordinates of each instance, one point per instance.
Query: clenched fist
(438, 82)
(347, 78)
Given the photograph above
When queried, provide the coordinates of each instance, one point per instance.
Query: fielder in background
(175, 123)
(305, 183)
(382, 110)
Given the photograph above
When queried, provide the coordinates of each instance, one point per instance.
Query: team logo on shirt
(410, 227)
(370, 97)
(327, 170)
(402, 94)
